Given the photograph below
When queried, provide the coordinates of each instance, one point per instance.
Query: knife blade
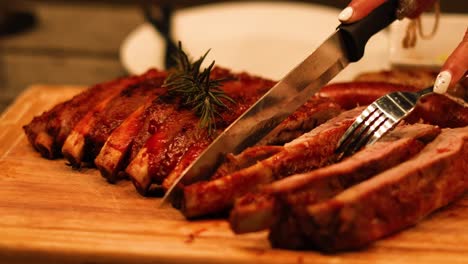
(345, 45)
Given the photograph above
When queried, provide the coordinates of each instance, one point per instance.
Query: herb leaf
(196, 90)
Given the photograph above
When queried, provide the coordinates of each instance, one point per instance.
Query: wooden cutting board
(51, 213)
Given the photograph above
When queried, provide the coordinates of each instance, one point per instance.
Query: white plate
(266, 39)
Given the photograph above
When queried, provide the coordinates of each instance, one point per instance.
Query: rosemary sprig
(196, 90)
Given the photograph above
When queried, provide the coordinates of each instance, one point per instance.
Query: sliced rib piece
(310, 151)
(188, 134)
(119, 109)
(187, 158)
(89, 135)
(48, 132)
(428, 110)
(155, 115)
(314, 112)
(398, 145)
(245, 159)
(73, 147)
(126, 141)
(388, 202)
(351, 94)
(253, 212)
(113, 156)
(165, 148)
(417, 78)
(144, 168)
(250, 214)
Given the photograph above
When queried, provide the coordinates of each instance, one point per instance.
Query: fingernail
(346, 14)
(442, 82)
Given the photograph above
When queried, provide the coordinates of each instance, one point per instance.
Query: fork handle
(426, 91)
(356, 35)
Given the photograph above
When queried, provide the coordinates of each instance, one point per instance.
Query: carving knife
(344, 46)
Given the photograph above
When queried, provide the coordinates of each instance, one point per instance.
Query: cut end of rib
(73, 147)
(44, 143)
(252, 213)
(138, 172)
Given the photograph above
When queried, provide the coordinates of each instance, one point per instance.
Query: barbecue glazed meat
(120, 109)
(187, 158)
(125, 141)
(134, 130)
(167, 139)
(388, 202)
(429, 107)
(257, 211)
(113, 157)
(245, 159)
(89, 135)
(351, 94)
(48, 132)
(147, 166)
(313, 113)
(419, 78)
(311, 150)
(289, 182)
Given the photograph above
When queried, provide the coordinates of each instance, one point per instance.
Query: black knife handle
(356, 35)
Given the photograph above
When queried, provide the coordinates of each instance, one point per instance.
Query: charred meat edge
(48, 131)
(88, 136)
(73, 148)
(310, 151)
(147, 166)
(154, 149)
(257, 211)
(366, 212)
(112, 158)
(118, 110)
(315, 112)
(351, 94)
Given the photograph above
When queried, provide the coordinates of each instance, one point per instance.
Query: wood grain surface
(50, 213)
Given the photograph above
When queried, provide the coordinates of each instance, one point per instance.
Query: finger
(454, 69)
(358, 9)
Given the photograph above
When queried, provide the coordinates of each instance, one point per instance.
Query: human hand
(454, 68)
(358, 9)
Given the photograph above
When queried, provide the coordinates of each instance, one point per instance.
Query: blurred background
(78, 42)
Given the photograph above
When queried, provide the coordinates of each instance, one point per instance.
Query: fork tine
(371, 129)
(383, 129)
(377, 119)
(343, 142)
(358, 132)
